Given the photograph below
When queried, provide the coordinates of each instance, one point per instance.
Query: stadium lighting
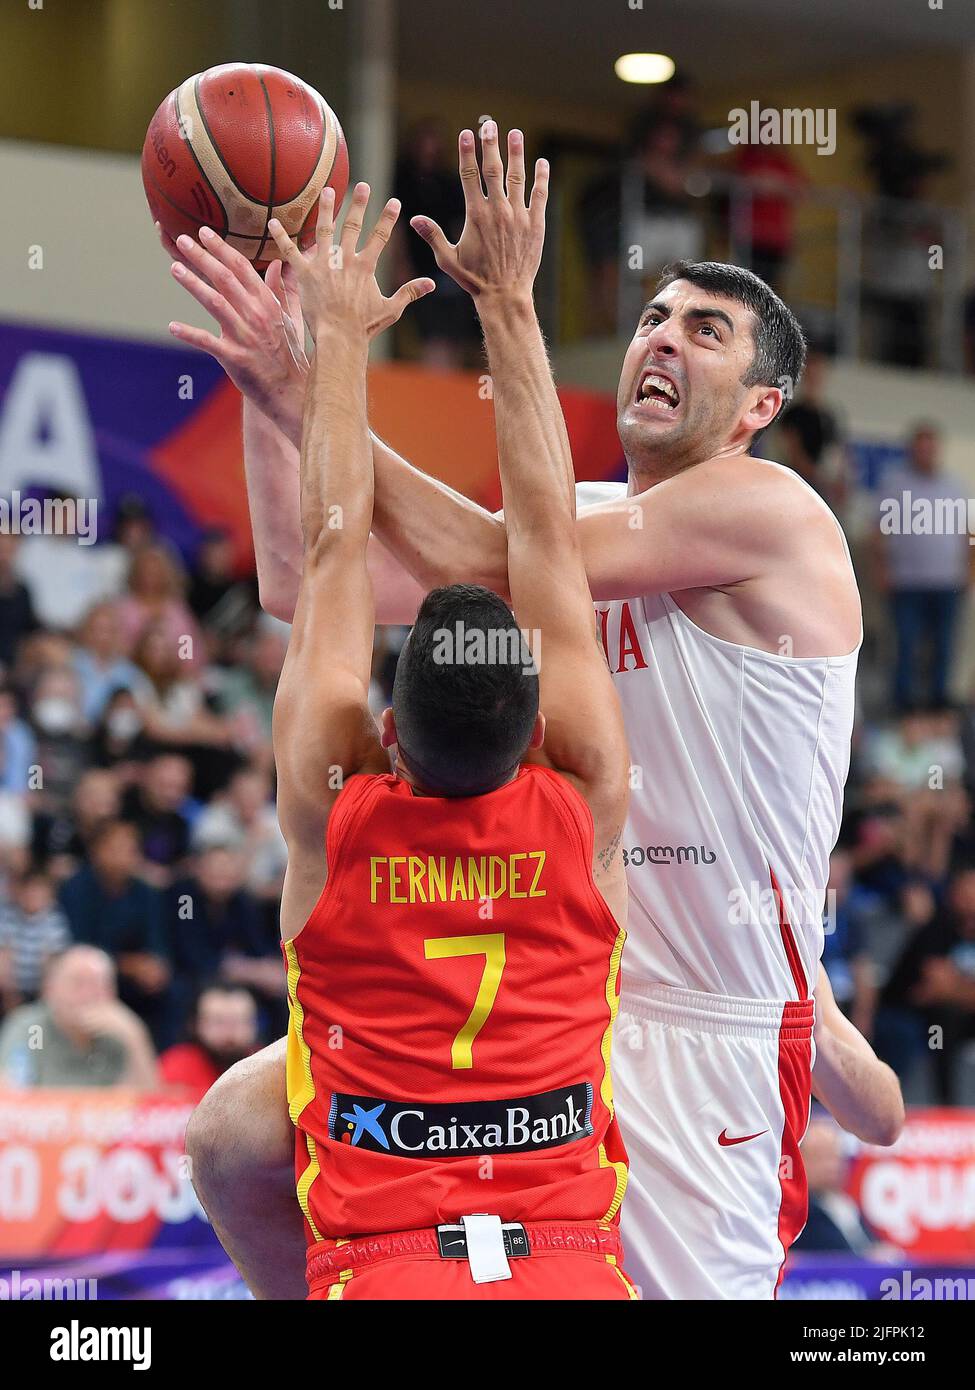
(644, 67)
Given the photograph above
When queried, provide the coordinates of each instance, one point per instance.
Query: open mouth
(657, 392)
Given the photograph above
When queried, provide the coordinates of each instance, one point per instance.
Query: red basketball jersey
(452, 1003)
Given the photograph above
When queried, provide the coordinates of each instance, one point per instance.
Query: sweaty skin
(745, 548)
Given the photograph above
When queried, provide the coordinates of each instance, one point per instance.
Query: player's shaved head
(465, 698)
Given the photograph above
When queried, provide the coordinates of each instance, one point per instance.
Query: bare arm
(861, 1093)
(496, 260)
(323, 730)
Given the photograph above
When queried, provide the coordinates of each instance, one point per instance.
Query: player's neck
(647, 471)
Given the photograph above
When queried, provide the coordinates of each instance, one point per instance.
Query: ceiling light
(644, 67)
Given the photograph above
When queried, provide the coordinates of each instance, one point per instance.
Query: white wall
(103, 268)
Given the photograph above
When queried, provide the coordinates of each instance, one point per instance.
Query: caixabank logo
(415, 1129)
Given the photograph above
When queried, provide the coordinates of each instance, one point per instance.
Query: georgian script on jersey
(428, 878)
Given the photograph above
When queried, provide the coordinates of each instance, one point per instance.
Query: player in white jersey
(729, 612)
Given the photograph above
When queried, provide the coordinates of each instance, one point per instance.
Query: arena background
(868, 235)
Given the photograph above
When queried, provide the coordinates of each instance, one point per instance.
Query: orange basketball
(237, 145)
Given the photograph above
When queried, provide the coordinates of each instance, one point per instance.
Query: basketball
(236, 145)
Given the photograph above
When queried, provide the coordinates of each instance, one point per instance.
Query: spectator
(119, 741)
(929, 999)
(32, 930)
(80, 1034)
(923, 558)
(223, 1029)
(220, 599)
(177, 712)
(62, 751)
(17, 617)
(156, 804)
(109, 905)
(768, 229)
(811, 437)
(645, 204)
(246, 693)
(218, 932)
(244, 819)
(155, 600)
(835, 1222)
(18, 746)
(62, 840)
(426, 183)
(101, 664)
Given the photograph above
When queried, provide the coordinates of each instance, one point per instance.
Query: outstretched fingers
(354, 219)
(207, 296)
(381, 233)
(492, 165)
(539, 196)
(470, 174)
(516, 168)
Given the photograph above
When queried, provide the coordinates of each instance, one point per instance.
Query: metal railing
(863, 273)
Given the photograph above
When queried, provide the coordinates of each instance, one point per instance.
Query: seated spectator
(32, 930)
(118, 741)
(61, 839)
(155, 600)
(157, 805)
(58, 722)
(918, 763)
(179, 716)
(244, 818)
(223, 602)
(18, 746)
(79, 1034)
(929, 999)
(835, 1222)
(222, 1030)
(246, 692)
(218, 932)
(109, 905)
(17, 617)
(101, 663)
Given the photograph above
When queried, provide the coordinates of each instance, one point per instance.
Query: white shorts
(712, 1096)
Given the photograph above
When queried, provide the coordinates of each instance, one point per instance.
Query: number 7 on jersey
(491, 947)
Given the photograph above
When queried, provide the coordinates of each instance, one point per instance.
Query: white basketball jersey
(738, 759)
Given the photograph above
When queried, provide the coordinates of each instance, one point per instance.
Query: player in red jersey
(453, 930)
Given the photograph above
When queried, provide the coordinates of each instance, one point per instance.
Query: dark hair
(465, 697)
(780, 344)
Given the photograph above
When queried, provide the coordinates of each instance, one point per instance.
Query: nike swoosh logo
(726, 1143)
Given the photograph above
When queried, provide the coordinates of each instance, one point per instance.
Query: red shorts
(568, 1260)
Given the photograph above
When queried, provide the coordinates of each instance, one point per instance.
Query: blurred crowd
(141, 861)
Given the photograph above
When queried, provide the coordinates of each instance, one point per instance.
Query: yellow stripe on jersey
(301, 1084)
(606, 1088)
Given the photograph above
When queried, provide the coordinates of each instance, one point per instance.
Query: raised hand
(337, 287)
(500, 248)
(260, 347)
